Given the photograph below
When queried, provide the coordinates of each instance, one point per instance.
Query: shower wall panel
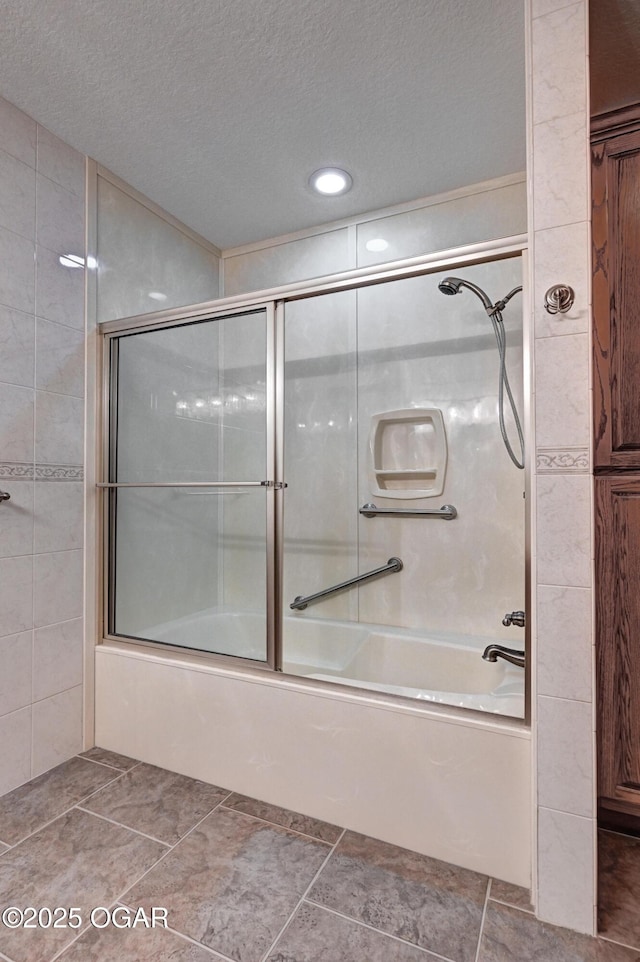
(419, 349)
(482, 212)
(321, 431)
(145, 262)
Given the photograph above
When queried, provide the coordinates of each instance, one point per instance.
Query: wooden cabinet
(616, 292)
(616, 389)
(618, 641)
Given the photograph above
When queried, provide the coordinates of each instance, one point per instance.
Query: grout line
(626, 945)
(200, 945)
(120, 771)
(484, 913)
(286, 828)
(51, 820)
(510, 905)
(105, 818)
(371, 928)
(170, 849)
(304, 895)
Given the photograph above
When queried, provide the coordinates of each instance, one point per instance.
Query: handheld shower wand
(453, 285)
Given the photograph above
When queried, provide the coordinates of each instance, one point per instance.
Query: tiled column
(41, 449)
(563, 710)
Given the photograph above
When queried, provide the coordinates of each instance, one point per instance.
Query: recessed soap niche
(407, 453)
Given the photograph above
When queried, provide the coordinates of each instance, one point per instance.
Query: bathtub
(430, 666)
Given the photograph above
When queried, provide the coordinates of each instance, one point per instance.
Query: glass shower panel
(411, 378)
(189, 506)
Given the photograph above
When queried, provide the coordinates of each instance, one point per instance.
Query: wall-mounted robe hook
(559, 299)
(5, 496)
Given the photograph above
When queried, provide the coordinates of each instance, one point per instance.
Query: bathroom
(498, 754)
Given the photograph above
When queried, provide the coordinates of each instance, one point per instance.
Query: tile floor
(245, 881)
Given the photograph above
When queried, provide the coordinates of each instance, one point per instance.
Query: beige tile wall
(42, 214)
(563, 722)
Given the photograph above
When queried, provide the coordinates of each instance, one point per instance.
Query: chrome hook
(5, 496)
(559, 299)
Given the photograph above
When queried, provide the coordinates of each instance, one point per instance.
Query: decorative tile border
(562, 461)
(59, 472)
(17, 470)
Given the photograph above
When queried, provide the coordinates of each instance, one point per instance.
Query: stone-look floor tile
(618, 887)
(78, 860)
(314, 933)
(510, 934)
(282, 816)
(113, 759)
(232, 883)
(514, 895)
(3, 848)
(26, 809)
(157, 802)
(134, 945)
(423, 900)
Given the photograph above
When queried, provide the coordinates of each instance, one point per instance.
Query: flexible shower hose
(503, 384)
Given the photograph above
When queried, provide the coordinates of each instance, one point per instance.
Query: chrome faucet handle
(5, 496)
(514, 618)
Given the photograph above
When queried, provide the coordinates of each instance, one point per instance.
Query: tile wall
(560, 230)
(42, 215)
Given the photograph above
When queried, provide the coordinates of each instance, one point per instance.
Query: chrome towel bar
(447, 512)
(393, 564)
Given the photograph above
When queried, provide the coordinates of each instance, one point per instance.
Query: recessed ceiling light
(377, 244)
(157, 296)
(331, 180)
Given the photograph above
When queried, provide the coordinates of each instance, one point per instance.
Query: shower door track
(274, 300)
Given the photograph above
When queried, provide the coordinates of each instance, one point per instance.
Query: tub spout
(493, 652)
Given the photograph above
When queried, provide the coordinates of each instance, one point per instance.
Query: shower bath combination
(452, 285)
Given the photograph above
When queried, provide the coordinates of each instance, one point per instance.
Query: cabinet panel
(618, 640)
(616, 300)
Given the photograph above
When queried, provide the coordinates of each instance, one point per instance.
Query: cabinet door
(618, 640)
(616, 300)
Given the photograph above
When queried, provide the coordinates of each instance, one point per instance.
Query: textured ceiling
(220, 109)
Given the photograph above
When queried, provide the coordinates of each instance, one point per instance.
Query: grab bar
(393, 564)
(447, 512)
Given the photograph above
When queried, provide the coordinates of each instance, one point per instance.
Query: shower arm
(301, 602)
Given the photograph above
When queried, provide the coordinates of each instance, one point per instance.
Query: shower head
(452, 285)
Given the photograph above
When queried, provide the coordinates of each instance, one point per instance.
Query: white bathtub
(430, 666)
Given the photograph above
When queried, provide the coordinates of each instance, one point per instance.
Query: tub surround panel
(287, 262)
(490, 211)
(41, 439)
(140, 253)
(448, 779)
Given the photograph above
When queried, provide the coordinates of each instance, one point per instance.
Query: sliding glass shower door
(189, 496)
